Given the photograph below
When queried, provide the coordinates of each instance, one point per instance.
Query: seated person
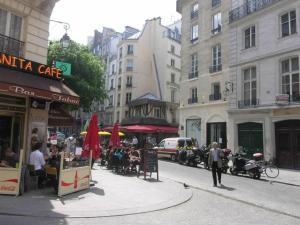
(54, 159)
(37, 160)
(135, 157)
(10, 158)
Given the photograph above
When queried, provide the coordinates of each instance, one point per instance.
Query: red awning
(150, 129)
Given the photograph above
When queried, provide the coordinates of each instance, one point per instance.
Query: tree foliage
(87, 72)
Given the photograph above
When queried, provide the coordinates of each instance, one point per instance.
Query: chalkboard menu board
(150, 162)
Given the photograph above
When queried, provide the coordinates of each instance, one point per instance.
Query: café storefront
(27, 89)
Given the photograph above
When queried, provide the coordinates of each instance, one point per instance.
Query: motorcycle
(188, 157)
(238, 164)
(203, 156)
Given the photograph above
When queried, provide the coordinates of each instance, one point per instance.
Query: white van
(169, 147)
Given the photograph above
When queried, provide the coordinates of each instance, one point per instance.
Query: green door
(250, 138)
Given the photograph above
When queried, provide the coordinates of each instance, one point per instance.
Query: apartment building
(205, 70)
(264, 54)
(148, 73)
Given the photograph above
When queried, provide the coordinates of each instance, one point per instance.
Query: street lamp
(65, 41)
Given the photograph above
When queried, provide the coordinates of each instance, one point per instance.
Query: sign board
(28, 66)
(10, 178)
(73, 179)
(64, 67)
(150, 162)
(282, 99)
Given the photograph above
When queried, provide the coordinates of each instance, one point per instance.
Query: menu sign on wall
(24, 65)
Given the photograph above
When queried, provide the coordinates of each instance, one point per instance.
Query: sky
(86, 16)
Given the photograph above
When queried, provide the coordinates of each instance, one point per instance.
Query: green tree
(87, 72)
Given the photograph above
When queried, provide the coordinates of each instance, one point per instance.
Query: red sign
(37, 93)
(24, 65)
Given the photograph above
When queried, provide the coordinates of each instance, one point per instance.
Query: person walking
(215, 162)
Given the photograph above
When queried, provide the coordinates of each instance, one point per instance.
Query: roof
(148, 96)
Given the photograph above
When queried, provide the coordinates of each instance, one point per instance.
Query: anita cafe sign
(24, 65)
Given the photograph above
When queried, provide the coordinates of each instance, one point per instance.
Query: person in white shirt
(215, 162)
(38, 161)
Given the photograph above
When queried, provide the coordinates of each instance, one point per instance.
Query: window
(119, 83)
(118, 99)
(173, 95)
(172, 77)
(194, 97)
(173, 62)
(249, 37)
(129, 81)
(120, 52)
(216, 92)
(173, 49)
(157, 112)
(126, 114)
(111, 99)
(215, 2)
(249, 86)
(290, 78)
(216, 59)
(129, 66)
(194, 33)
(288, 23)
(118, 116)
(194, 66)
(10, 33)
(111, 84)
(120, 67)
(113, 69)
(128, 98)
(216, 23)
(195, 10)
(129, 49)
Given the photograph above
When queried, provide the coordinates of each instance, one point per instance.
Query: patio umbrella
(104, 133)
(91, 141)
(114, 140)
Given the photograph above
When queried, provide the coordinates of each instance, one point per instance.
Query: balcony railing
(130, 52)
(295, 98)
(247, 103)
(129, 85)
(215, 2)
(129, 69)
(216, 30)
(192, 100)
(248, 8)
(11, 46)
(215, 97)
(215, 68)
(194, 14)
(193, 74)
(194, 40)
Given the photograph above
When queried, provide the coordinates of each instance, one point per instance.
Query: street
(241, 201)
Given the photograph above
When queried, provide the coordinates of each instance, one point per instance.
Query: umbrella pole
(90, 166)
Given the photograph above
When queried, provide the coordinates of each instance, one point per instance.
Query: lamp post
(65, 41)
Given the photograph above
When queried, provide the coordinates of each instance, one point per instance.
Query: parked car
(170, 147)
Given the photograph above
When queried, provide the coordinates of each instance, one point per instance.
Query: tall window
(120, 52)
(215, 92)
(129, 49)
(172, 77)
(118, 116)
(173, 62)
(194, 33)
(120, 67)
(10, 26)
(118, 99)
(195, 10)
(113, 69)
(194, 68)
(129, 81)
(157, 112)
(250, 37)
(290, 78)
(193, 96)
(288, 23)
(215, 2)
(216, 59)
(249, 86)
(128, 97)
(129, 66)
(111, 84)
(173, 49)
(119, 83)
(173, 95)
(111, 99)
(216, 23)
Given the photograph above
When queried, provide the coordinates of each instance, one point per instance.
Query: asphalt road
(242, 201)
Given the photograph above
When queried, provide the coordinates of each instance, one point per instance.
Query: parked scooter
(238, 164)
(188, 157)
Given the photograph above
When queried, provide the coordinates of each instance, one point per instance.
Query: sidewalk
(111, 196)
(289, 177)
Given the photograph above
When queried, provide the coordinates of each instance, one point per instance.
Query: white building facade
(264, 114)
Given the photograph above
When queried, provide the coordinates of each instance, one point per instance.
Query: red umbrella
(114, 140)
(91, 141)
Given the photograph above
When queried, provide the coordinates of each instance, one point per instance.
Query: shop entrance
(250, 138)
(288, 143)
(216, 132)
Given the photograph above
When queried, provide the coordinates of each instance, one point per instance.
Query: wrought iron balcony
(247, 103)
(216, 30)
(11, 46)
(215, 2)
(295, 98)
(193, 74)
(192, 100)
(215, 97)
(194, 14)
(129, 69)
(129, 85)
(248, 8)
(194, 40)
(215, 68)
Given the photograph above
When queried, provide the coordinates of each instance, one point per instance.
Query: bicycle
(269, 169)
